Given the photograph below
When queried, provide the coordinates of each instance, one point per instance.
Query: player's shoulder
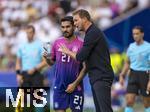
(60, 39)
(132, 44)
(147, 43)
(80, 39)
(132, 47)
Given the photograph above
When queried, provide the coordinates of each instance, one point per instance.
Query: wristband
(18, 72)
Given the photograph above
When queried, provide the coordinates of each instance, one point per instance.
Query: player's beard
(67, 35)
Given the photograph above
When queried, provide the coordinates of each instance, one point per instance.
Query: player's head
(30, 30)
(67, 26)
(81, 17)
(138, 33)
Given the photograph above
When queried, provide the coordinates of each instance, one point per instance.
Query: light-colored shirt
(139, 56)
(30, 54)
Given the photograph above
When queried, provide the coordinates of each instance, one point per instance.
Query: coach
(96, 55)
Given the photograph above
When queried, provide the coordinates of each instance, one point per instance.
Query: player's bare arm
(148, 85)
(124, 71)
(71, 87)
(18, 71)
(38, 67)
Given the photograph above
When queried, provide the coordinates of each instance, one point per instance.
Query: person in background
(138, 65)
(30, 62)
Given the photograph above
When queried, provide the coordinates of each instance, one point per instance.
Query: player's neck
(30, 40)
(140, 42)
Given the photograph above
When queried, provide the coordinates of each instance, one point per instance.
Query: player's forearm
(148, 75)
(41, 65)
(81, 75)
(49, 61)
(18, 66)
(125, 69)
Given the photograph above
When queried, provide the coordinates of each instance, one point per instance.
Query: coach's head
(82, 19)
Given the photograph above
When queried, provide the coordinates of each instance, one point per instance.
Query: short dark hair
(32, 27)
(82, 13)
(139, 28)
(68, 18)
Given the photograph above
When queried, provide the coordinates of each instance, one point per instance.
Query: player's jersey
(66, 68)
(139, 56)
(30, 54)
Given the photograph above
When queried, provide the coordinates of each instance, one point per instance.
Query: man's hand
(46, 55)
(19, 79)
(71, 87)
(32, 71)
(63, 49)
(148, 87)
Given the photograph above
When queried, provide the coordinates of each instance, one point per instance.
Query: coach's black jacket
(96, 55)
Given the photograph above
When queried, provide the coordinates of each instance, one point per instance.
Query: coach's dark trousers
(102, 95)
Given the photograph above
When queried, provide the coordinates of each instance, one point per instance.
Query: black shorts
(35, 80)
(137, 82)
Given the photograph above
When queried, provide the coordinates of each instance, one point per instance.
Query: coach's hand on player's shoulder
(71, 87)
(121, 79)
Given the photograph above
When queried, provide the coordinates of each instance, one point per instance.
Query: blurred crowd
(45, 15)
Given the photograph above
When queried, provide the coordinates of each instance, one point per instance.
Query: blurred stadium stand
(120, 35)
